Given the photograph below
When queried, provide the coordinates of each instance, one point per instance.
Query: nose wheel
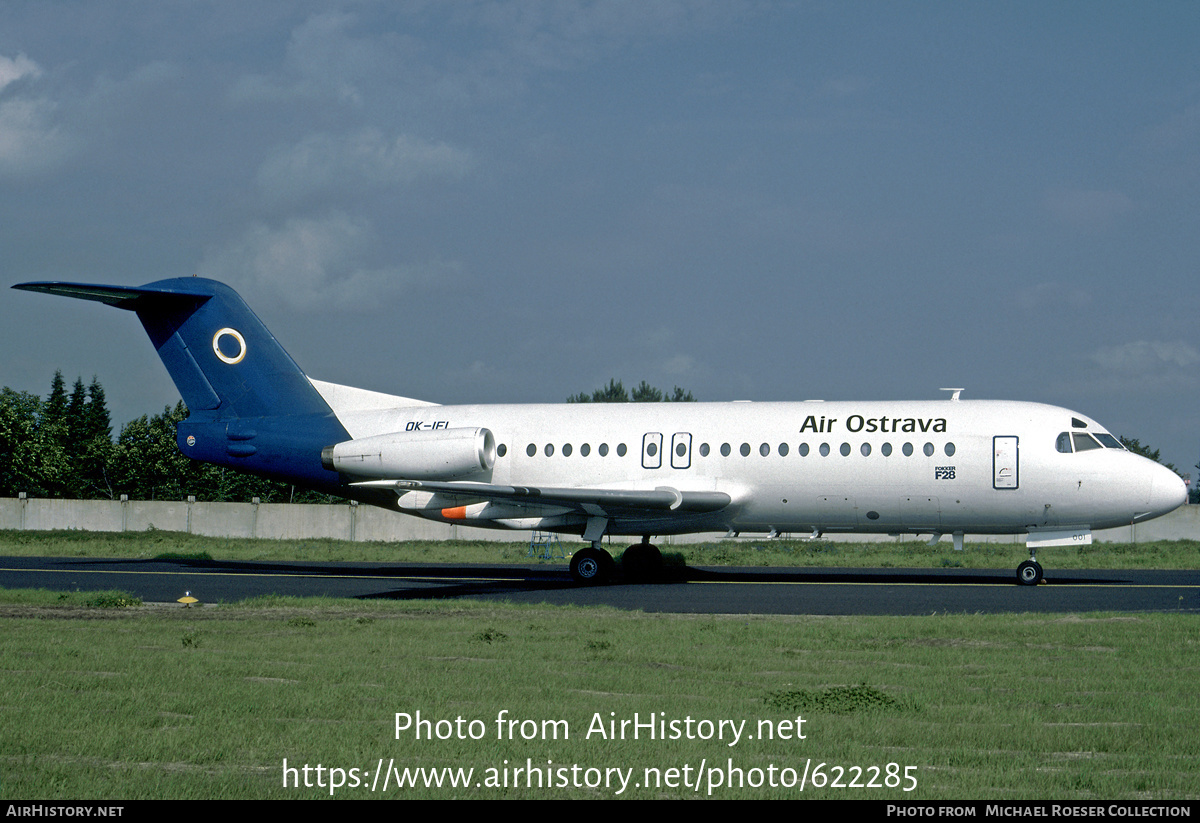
(1029, 573)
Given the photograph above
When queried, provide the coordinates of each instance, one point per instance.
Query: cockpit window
(1063, 444)
(1084, 442)
(1109, 441)
(1076, 423)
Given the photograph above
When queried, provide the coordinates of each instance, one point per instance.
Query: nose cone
(1167, 492)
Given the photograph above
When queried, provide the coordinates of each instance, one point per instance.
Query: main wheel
(642, 562)
(1029, 573)
(588, 566)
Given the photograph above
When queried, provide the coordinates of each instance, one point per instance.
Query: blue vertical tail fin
(222, 358)
(251, 407)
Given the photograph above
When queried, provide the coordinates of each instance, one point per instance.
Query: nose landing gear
(1029, 573)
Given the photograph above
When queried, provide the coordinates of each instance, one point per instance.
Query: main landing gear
(592, 565)
(641, 563)
(1029, 573)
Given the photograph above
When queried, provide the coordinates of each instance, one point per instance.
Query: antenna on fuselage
(956, 393)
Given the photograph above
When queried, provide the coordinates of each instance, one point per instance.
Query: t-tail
(251, 407)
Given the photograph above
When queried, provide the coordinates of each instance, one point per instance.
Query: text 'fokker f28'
(935, 467)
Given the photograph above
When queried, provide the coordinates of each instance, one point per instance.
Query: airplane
(937, 467)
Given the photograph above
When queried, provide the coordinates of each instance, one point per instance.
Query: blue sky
(480, 202)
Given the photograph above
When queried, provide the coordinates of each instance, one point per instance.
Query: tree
(95, 446)
(32, 456)
(146, 465)
(54, 411)
(63, 447)
(76, 409)
(96, 420)
(19, 441)
(645, 393)
(615, 392)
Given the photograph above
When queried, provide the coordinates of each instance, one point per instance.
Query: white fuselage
(645, 469)
(907, 466)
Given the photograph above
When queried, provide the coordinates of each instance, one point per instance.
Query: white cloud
(680, 364)
(30, 140)
(323, 61)
(485, 53)
(324, 162)
(1086, 208)
(13, 69)
(1053, 297)
(313, 264)
(1146, 355)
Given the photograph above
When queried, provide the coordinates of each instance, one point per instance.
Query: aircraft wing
(592, 502)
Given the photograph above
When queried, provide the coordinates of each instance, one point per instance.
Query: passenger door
(1005, 463)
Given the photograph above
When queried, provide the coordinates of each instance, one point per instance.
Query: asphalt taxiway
(700, 590)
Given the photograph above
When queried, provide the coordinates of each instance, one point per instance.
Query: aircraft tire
(588, 566)
(1029, 573)
(642, 563)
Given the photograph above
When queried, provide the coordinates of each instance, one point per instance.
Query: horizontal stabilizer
(123, 297)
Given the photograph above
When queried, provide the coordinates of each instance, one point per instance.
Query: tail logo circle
(241, 342)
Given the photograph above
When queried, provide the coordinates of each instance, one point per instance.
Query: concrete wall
(352, 522)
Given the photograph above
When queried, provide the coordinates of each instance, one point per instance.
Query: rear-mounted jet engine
(416, 455)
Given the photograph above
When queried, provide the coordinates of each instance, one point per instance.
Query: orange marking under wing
(456, 513)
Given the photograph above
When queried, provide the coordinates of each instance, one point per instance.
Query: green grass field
(1178, 554)
(102, 701)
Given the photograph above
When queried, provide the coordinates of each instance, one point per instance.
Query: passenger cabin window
(1084, 442)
